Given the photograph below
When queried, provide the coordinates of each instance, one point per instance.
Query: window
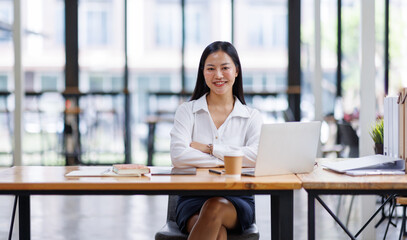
(397, 46)
(3, 83)
(197, 22)
(60, 23)
(267, 27)
(167, 27)
(6, 20)
(263, 49)
(49, 83)
(328, 31)
(350, 52)
(96, 30)
(96, 83)
(117, 83)
(96, 22)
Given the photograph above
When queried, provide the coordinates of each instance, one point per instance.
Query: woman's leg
(217, 214)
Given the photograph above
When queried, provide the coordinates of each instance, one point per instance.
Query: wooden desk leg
(24, 217)
(282, 216)
(311, 216)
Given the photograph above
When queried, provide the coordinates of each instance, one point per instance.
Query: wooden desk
(323, 182)
(27, 180)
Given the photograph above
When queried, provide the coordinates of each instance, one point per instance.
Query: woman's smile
(219, 83)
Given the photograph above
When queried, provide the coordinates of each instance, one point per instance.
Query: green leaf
(376, 131)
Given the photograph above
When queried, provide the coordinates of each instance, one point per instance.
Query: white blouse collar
(239, 110)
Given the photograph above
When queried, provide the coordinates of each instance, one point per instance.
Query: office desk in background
(38, 180)
(323, 182)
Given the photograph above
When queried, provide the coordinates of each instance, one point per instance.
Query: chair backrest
(349, 137)
(172, 206)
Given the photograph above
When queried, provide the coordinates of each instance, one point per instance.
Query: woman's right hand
(201, 147)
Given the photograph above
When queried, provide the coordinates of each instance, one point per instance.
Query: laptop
(286, 148)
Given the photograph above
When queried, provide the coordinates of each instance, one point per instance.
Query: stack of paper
(369, 165)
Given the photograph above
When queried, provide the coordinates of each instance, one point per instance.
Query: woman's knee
(215, 204)
(215, 207)
(218, 211)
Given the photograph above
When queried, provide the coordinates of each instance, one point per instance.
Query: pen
(215, 171)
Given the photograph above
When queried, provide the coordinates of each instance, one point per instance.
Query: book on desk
(131, 172)
(368, 165)
(130, 169)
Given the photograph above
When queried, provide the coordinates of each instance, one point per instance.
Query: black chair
(348, 139)
(170, 231)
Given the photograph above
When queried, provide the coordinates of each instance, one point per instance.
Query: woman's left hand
(200, 146)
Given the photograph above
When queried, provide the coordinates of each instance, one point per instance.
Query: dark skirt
(189, 205)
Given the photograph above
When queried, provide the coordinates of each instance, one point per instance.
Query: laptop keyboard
(248, 171)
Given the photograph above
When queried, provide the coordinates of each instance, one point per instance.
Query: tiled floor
(139, 217)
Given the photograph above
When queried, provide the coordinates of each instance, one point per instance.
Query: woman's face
(220, 73)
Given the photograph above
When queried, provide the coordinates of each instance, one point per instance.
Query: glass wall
(328, 31)
(397, 47)
(163, 55)
(6, 81)
(351, 57)
(101, 80)
(43, 65)
(262, 44)
(350, 60)
(155, 60)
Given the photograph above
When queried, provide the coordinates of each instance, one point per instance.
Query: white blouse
(193, 123)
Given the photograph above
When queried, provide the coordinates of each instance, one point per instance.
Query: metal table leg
(24, 217)
(282, 226)
(311, 216)
(10, 234)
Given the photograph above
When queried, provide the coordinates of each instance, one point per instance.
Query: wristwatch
(210, 147)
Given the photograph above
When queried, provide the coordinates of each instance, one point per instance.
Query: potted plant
(376, 132)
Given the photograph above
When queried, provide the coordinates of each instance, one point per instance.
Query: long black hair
(200, 86)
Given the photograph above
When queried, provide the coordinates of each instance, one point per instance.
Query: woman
(214, 122)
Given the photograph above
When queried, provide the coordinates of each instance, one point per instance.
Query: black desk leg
(275, 217)
(287, 215)
(24, 217)
(311, 216)
(282, 216)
